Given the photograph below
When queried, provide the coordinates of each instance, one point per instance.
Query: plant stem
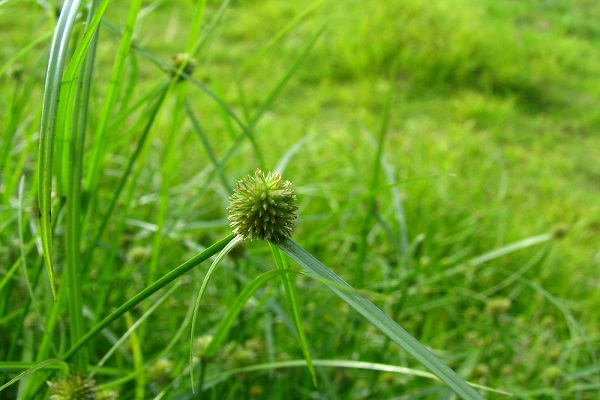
(147, 292)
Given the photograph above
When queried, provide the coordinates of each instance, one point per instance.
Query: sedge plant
(263, 207)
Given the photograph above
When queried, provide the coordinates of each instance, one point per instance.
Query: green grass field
(446, 160)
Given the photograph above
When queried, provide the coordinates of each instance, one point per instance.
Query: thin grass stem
(144, 294)
(294, 307)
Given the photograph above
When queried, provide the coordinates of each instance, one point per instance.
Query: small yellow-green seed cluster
(74, 387)
(184, 62)
(262, 207)
(160, 371)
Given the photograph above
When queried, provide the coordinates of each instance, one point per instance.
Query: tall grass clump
(138, 259)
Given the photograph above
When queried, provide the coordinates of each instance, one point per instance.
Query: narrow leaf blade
(381, 321)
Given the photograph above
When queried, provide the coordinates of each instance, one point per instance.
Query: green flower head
(262, 207)
(74, 387)
(184, 62)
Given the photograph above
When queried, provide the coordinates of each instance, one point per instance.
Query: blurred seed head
(201, 345)
(160, 371)
(73, 387)
(183, 62)
(560, 231)
(498, 306)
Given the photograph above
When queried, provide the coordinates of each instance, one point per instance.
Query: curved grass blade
(348, 364)
(381, 321)
(81, 51)
(234, 242)
(491, 255)
(236, 308)
(52, 363)
(285, 159)
(56, 65)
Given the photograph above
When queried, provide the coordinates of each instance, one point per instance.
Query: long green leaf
(48, 364)
(50, 108)
(380, 320)
(348, 364)
(77, 107)
(81, 51)
(56, 65)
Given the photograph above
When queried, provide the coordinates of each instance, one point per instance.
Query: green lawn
(446, 160)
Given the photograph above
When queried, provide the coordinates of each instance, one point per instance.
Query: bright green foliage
(445, 159)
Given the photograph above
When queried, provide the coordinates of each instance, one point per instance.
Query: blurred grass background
(492, 139)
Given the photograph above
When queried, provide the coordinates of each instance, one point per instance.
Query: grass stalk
(376, 167)
(275, 91)
(207, 146)
(147, 292)
(338, 364)
(294, 307)
(193, 43)
(128, 169)
(78, 106)
(138, 359)
(102, 135)
(225, 324)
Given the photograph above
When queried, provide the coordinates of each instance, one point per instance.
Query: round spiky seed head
(160, 371)
(184, 62)
(74, 387)
(262, 207)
